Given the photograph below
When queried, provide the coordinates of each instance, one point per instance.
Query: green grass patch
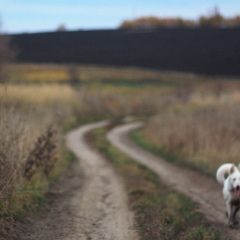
(160, 212)
(65, 162)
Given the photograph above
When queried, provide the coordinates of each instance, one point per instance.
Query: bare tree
(61, 28)
(215, 19)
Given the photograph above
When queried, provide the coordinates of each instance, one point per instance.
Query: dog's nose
(238, 187)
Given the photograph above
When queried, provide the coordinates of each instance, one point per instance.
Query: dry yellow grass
(60, 72)
(40, 94)
(102, 93)
(203, 132)
(34, 72)
(210, 99)
(216, 93)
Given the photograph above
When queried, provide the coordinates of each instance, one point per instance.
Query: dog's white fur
(231, 189)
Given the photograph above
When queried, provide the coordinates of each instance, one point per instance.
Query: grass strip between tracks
(160, 212)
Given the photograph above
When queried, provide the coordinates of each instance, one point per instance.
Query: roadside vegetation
(160, 213)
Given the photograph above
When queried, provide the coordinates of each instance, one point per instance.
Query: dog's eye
(234, 179)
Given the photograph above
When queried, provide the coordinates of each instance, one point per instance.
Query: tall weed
(23, 141)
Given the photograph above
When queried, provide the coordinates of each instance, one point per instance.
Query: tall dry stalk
(43, 156)
(12, 149)
(18, 147)
(22, 140)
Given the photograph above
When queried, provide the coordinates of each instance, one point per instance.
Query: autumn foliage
(215, 19)
(155, 22)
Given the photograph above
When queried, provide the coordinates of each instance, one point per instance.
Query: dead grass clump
(25, 168)
(218, 92)
(12, 150)
(43, 155)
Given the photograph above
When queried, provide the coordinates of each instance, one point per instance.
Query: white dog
(229, 176)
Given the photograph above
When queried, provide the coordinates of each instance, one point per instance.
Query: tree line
(215, 19)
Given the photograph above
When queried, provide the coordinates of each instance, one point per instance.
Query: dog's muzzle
(236, 191)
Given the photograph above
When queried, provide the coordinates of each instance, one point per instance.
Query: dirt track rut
(203, 190)
(104, 201)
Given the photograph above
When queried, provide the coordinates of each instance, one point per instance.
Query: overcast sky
(19, 16)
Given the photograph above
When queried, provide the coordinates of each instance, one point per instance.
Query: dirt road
(203, 190)
(104, 201)
(91, 202)
(94, 203)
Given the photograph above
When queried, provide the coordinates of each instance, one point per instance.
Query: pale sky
(18, 16)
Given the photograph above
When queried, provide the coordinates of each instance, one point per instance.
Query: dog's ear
(239, 166)
(233, 168)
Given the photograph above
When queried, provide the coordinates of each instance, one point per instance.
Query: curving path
(103, 204)
(91, 202)
(203, 190)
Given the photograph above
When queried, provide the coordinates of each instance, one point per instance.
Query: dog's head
(234, 180)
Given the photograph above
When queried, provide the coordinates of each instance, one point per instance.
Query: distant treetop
(61, 28)
(215, 19)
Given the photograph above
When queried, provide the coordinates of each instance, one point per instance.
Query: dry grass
(25, 134)
(204, 132)
(38, 94)
(43, 156)
(112, 105)
(12, 149)
(18, 134)
(37, 72)
(216, 93)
